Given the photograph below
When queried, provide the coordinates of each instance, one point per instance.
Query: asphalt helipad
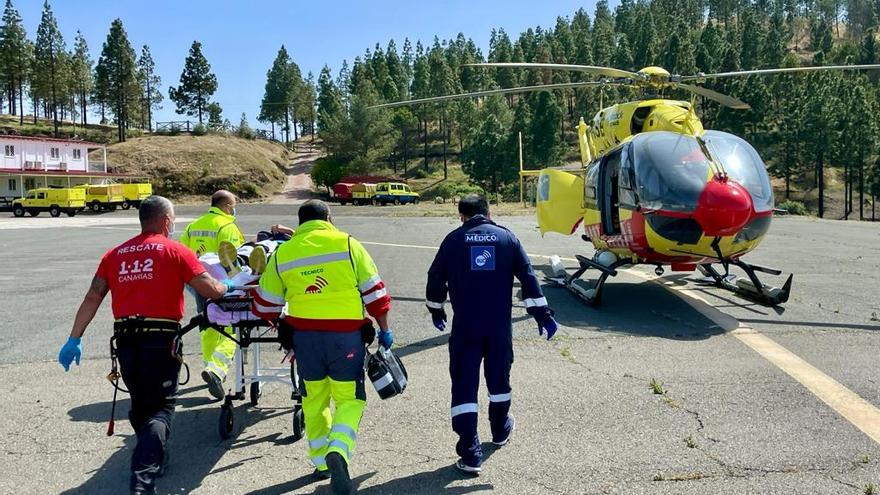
(756, 400)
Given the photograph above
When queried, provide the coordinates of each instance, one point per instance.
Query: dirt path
(299, 183)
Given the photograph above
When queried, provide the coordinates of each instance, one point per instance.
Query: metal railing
(187, 126)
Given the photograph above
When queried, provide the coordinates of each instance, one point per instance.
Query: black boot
(340, 481)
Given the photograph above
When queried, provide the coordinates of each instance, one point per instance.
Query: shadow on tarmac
(639, 309)
(195, 446)
(436, 481)
(304, 481)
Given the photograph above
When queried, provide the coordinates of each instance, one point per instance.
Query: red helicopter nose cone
(724, 207)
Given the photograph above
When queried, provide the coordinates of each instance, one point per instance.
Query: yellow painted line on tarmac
(412, 246)
(859, 412)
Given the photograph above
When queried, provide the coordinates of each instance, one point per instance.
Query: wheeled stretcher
(248, 370)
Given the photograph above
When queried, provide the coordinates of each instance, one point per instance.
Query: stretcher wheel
(227, 421)
(299, 423)
(256, 393)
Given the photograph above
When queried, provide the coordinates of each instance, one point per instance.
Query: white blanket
(211, 262)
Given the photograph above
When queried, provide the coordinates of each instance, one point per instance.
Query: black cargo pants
(150, 371)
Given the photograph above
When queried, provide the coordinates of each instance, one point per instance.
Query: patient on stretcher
(243, 266)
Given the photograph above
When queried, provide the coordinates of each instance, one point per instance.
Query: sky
(241, 38)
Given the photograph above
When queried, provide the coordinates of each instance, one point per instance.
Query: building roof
(61, 173)
(50, 139)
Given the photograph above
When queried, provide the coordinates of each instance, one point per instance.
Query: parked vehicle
(134, 193)
(362, 194)
(52, 200)
(342, 192)
(104, 197)
(394, 192)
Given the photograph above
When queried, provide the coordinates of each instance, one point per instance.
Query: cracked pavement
(588, 421)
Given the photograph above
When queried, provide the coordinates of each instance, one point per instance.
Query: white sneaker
(461, 466)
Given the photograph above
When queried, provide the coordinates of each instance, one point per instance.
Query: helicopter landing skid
(750, 287)
(590, 295)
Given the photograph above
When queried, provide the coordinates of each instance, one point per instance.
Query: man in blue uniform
(476, 264)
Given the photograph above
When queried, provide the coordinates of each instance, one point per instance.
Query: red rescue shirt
(146, 275)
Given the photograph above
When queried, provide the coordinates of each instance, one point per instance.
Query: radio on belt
(387, 373)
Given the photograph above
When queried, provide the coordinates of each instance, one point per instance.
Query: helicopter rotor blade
(589, 69)
(490, 92)
(785, 70)
(728, 101)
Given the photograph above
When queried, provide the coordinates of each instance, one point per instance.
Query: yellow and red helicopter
(654, 186)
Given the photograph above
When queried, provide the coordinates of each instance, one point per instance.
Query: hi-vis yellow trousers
(331, 367)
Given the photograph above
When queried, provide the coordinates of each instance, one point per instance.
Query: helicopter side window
(626, 184)
(591, 181)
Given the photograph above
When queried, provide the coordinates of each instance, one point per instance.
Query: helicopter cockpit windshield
(742, 164)
(671, 170)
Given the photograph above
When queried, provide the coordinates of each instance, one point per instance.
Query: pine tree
(15, 51)
(306, 108)
(81, 75)
(405, 122)
(116, 74)
(442, 83)
(215, 114)
(545, 148)
(51, 64)
(603, 34)
(329, 100)
(487, 161)
(101, 89)
(151, 84)
(197, 84)
(397, 72)
(623, 58)
(646, 41)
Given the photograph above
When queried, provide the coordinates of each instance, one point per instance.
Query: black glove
(285, 335)
(544, 316)
(368, 333)
(438, 316)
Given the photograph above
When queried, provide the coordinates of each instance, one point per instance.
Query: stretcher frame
(243, 336)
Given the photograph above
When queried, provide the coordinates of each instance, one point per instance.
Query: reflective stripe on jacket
(205, 233)
(325, 277)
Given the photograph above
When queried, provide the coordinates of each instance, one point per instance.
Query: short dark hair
(222, 197)
(313, 209)
(152, 209)
(473, 205)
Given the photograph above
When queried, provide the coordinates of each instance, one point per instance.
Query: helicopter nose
(724, 207)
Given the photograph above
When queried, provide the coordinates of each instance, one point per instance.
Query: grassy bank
(198, 165)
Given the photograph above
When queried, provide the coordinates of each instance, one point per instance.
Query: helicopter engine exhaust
(724, 207)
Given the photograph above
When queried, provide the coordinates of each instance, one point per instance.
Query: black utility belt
(137, 326)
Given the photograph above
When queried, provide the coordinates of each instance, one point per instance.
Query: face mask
(171, 230)
(233, 211)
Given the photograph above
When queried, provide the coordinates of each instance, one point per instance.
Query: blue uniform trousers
(467, 350)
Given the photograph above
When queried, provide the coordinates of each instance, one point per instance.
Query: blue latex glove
(438, 316)
(546, 322)
(230, 285)
(544, 316)
(386, 338)
(72, 350)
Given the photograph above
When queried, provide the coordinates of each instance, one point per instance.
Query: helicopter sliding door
(609, 193)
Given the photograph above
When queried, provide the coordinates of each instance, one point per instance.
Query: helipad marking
(413, 246)
(859, 412)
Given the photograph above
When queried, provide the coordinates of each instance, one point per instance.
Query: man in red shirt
(146, 276)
